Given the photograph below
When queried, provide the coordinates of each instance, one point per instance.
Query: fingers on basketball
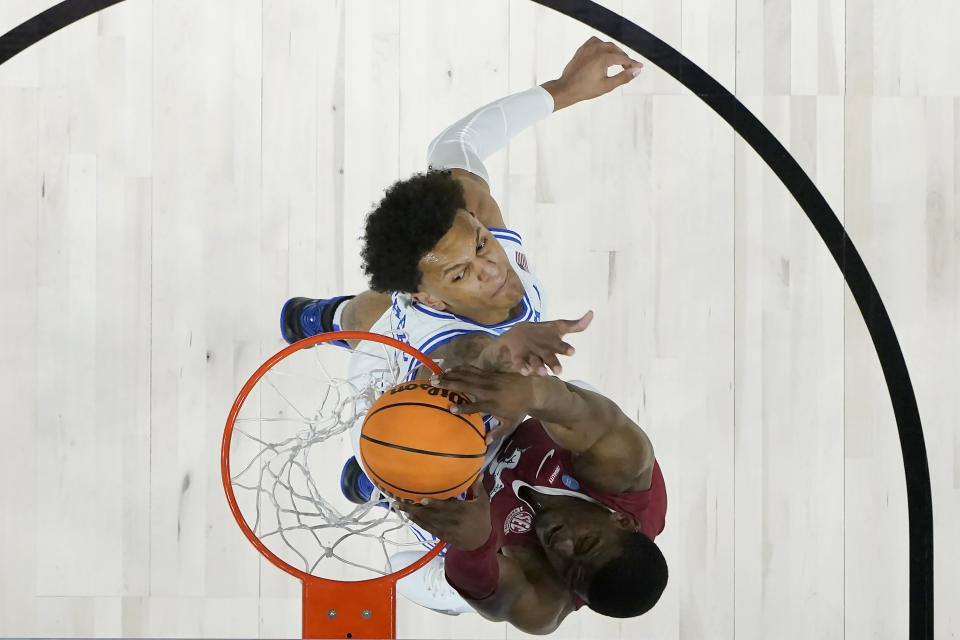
(462, 373)
(424, 522)
(469, 381)
(468, 407)
(477, 490)
(503, 428)
(433, 456)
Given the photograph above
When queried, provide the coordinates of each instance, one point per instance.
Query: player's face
(468, 273)
(579, 539)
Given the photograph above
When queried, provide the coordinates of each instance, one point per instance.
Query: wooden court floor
(172, 170)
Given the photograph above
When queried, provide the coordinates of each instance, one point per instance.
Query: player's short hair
(409, 221)
(632, 583)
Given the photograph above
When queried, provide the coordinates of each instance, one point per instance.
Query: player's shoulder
(507, 237)
(469, 179)
(620, 462)
(478, 199)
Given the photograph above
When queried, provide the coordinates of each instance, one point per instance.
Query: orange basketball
(412, 447)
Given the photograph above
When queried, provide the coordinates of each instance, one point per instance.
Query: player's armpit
(479, 201)
(534, 606)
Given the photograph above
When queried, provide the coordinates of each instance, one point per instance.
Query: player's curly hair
(632, 583)
(409, 221)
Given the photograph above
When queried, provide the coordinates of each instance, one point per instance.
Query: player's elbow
(538, 623)
(538, 615)
(525, 611)
(524, 621)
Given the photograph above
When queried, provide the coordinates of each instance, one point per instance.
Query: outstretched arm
(465, 144)
(469, 141)
(611, 452)
(527, 348)
(528, 597)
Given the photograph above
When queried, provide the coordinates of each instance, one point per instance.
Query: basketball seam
(432, 406)
(364, 436)
(473, 475)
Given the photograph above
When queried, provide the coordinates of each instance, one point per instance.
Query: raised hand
(464, 524)
(506, 396)
(532, 347)
(585, 76)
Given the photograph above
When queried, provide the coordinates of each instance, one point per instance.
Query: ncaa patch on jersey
(517, 521)
(570, 482)
(522, 261)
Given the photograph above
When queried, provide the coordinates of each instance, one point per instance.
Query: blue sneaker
(304, 317)
(354, 483)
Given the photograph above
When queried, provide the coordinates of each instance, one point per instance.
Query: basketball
(412, 447)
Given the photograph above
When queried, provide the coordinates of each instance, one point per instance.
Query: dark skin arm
(528, 594)
(583, 78)
(611, 453)
(526, 348)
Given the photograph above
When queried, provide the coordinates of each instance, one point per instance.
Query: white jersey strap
(469, 141)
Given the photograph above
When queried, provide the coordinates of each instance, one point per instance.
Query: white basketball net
(291, 439)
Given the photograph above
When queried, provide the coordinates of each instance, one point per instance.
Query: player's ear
(428, 300)
(625, 521)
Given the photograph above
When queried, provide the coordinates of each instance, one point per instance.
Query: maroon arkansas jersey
(531, 458)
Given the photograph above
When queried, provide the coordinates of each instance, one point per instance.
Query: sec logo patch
(517, 521)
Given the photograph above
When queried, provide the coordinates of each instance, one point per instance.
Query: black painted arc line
(50, 21)
(862, 287)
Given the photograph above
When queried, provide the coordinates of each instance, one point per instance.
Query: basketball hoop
(284, 493)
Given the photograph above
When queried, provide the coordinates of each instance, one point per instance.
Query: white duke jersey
(426, 329)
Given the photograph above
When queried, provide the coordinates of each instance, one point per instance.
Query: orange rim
(228, 436)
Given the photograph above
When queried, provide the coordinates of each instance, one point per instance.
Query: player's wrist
(481, 539)
(475, 574)
(543, 390)
(560, 93)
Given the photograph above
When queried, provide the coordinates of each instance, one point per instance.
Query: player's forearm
(463, 349)
(499, 589)
(473, 138)
(475, 574)
(574, 418)
(561, 96)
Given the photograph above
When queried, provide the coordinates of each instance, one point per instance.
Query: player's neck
(492, 316)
